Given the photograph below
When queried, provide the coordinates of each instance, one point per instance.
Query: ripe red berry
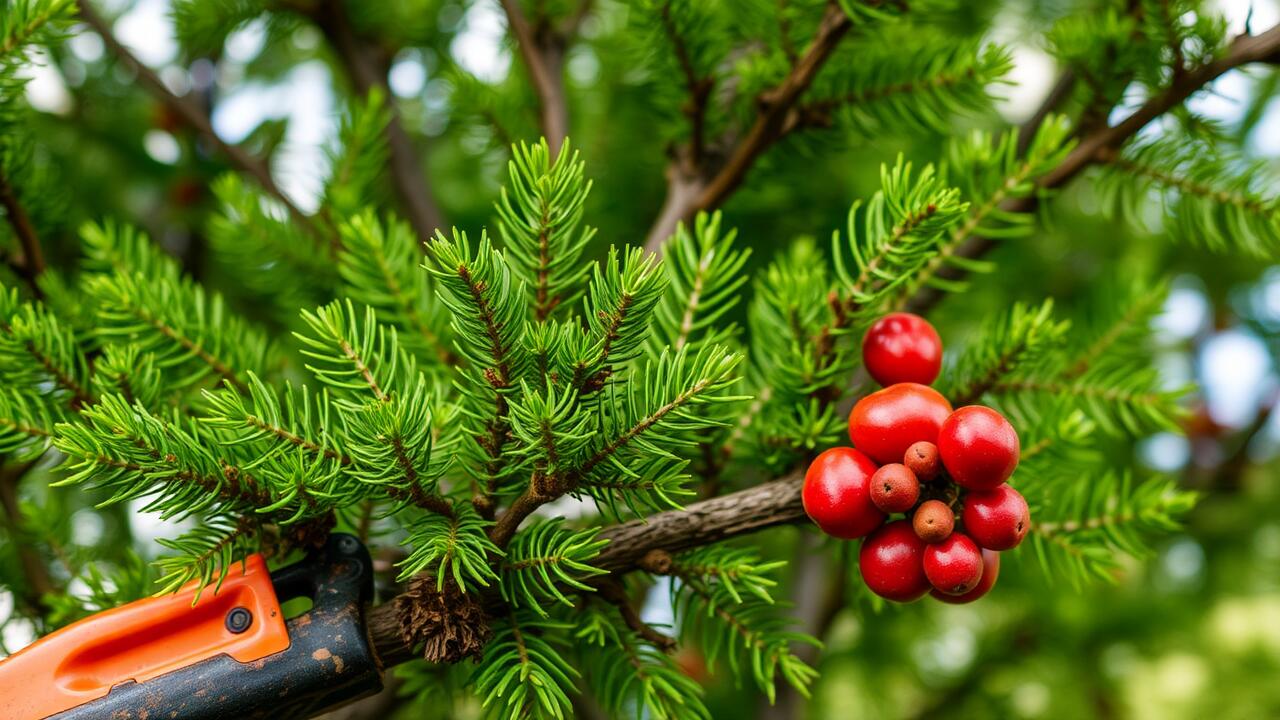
(836, 493)
(902, 347)
(887, 422)
(978, 447)
(933, 521)
(892, 563)
(990, 571)
(953, 566)
(922, 458)
(894, 488)
(996, 519)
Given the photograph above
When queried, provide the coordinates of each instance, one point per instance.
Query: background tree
(257, 355)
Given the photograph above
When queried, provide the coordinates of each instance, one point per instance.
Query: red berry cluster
(915, 456)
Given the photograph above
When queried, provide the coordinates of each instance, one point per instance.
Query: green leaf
(543, 558)
(540, 216)
(525, 674)
(453, 548)
(705, 279)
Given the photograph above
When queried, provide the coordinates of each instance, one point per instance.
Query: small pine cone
(447, 624)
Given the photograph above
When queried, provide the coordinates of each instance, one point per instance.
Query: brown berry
(894, 488)
(933, 521)
(922, 459)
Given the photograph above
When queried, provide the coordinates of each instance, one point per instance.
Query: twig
(39, 582)
(543, 52)
(192, 114)
(687, 195)
(613, 593)
(1061, 91)
(699, 88)
(32, 261)
(1100, 143)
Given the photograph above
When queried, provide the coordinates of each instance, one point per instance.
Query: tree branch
(31, 263)
(1100, 144)
(542, 49)
(367, 68)
(39, 582)
(687, 194)
(778, 502)
(192, 114)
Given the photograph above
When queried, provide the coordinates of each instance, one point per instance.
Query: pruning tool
(229, 656)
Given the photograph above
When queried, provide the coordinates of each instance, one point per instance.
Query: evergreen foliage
(447, 389)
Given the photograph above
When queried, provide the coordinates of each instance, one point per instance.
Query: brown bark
(31, 264)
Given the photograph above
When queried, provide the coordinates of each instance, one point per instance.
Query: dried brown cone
(448, 624)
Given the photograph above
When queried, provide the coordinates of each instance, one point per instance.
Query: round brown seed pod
(894, 488)
(933, 521)
(922, 459)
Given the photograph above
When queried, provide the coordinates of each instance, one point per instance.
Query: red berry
(978, 447)
(892, 563)
(933, 521)
(894, 488)
(996, 519)
(922, 458)
(887, 422)
(902, 347)
(836, 493)
(953, 566)
(990, 571)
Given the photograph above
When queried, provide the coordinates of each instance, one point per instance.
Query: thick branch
(543, 52)
(367, 68)
(192, 114)
(701, 523)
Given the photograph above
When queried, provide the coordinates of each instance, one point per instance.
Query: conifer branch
(818, 112)
(1099, 144)
(1186, 185)
(191, 113)
(698, 88)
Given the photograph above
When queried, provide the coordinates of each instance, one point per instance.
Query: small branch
(611, 591)
(1058, 95)
(1099, 143)
(32, 262)
(686, 195)
(699, 88)
(192, 114)
(543, 52)
(1186, 185)
(39, 582)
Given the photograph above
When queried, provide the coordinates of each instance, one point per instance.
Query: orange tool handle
(230, 656)
(143, 640)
